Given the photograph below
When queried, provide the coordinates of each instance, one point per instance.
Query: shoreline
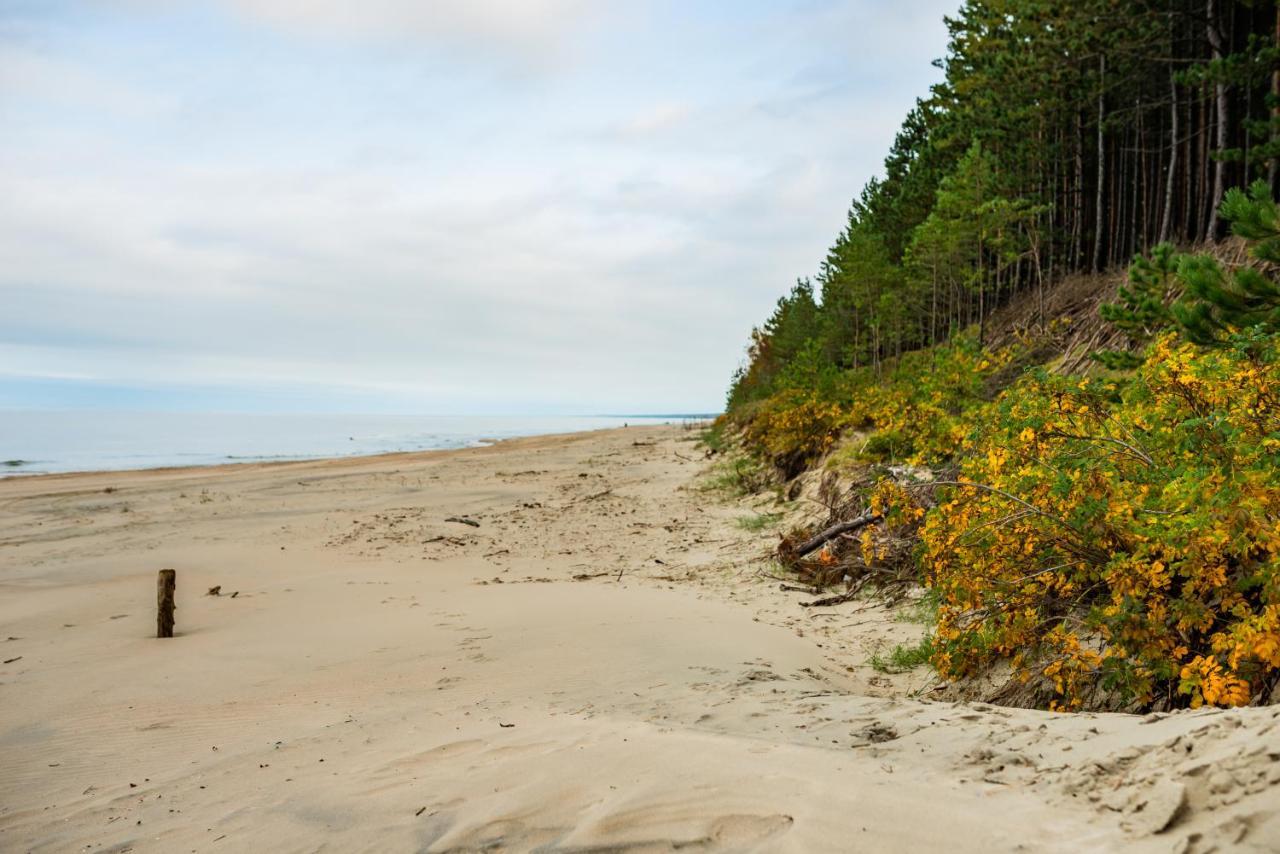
(326, 460)
(37, 443)
(595, 664)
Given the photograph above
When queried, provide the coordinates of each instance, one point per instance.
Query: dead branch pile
(854, 549)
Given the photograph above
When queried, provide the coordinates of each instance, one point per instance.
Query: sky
(448, 207)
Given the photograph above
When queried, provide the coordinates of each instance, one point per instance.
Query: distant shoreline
(330, 461)
(39, 444)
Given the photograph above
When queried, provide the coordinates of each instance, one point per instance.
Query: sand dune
(594, 667)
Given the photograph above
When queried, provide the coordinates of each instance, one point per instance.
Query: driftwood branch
(834, 531)
(852, 593)
(833, 600)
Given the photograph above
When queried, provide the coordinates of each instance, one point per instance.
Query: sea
(42, 442)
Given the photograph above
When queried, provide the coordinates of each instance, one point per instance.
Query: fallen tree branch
(832, 600)
(834, 531)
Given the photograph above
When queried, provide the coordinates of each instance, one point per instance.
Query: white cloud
(199, 204)
(535, 28)
(655, 119)
(36, 76)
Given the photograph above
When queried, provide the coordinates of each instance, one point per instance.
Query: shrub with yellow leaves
(919, 412)
(922, 412)
(793, 427)
(1117, 540)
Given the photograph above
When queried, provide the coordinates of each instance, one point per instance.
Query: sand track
(388, 680)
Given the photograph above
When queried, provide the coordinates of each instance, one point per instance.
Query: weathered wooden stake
(165, 586)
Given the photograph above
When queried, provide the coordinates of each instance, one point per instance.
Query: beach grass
(758, 521)
(904, 657)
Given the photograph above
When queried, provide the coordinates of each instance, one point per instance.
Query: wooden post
(165, 586)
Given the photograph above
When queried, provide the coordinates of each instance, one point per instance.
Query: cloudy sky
(426, 206)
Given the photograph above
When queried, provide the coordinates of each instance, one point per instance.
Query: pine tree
(1218, 304)
(1142, 307)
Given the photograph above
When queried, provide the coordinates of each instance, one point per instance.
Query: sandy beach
(596, 664)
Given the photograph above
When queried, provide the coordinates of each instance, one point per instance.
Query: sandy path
(387, 680)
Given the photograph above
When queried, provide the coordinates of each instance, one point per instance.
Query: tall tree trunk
(933, 310)
(1102, 158)
(1039, 274)
(1189, 219)
(1167, 218)
(1115, 199)
(1141, 204)
(1275, 111)
(982, 277)
(1202, 183)
(1220, 98)
(1054, 215)
(1077, 196)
